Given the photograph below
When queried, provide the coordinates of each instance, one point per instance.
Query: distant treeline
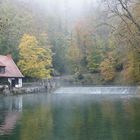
(50, 39)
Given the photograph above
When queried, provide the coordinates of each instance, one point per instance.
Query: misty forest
(69, 69)
(96, 41)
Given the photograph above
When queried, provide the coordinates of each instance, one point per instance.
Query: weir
(97, 90)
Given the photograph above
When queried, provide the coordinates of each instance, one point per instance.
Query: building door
(13, 83)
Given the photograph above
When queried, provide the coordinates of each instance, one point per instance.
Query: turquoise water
(70, 117)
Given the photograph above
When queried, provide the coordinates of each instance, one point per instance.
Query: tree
(131, 70)
(60, 43)
(74, 55)
(34, 61)
(126, 14)
(123, 9)
(107, 68)
(95, 55)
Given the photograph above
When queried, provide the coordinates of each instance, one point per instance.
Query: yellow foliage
(132, 67)
(107, 70)
(34, 61)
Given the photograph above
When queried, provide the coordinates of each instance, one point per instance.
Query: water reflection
(72, 117)
(10, 108)
(37, 120)
(11, 103)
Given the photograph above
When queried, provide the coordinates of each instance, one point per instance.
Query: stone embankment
(46, 86)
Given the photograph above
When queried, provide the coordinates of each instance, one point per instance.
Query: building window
(2, 69)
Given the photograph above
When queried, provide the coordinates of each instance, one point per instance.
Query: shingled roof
(11, 70)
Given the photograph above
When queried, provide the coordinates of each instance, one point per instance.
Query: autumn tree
(34, 61)
(107, 68)
(131, 70)
(127, 34)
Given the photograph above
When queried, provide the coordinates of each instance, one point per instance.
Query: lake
(76, 113)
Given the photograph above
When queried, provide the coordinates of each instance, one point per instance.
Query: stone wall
(46, 86)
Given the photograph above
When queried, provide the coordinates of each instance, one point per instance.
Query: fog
(97, 41)
(69, 8)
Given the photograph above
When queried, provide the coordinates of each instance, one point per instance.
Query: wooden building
(9, 72)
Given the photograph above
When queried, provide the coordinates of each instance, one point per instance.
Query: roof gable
(11, 70)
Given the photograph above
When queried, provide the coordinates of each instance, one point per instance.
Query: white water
(96, 90)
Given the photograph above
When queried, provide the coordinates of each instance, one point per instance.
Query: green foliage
(14, 26)
(34, 60)
(16, 20)
(94, 60)
(60, 44)
(74, 56)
